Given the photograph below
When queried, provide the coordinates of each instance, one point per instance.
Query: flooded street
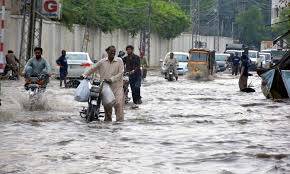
(181, 127)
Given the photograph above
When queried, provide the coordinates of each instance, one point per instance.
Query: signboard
(286, 80)
(51, 8)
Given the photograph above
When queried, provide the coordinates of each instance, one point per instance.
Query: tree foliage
(251, 27)
(167, 19)
(283, 25)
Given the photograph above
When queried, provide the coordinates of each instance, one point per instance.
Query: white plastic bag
(83, 91)
(108, 97)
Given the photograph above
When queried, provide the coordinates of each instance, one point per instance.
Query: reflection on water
(182, 127)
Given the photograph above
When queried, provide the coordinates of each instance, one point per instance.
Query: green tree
(168, 19)
(251, 26)
(283, 25)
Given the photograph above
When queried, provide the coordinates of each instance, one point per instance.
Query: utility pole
(218, 24)
(195, 23)
(2, 38)
(31, 30)
(148, 34)
(86, 38)
(192, 11)
(233, 18)
(197, 41)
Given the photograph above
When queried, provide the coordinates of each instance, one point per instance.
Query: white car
(221, 61)
(261, 61)
(182, 58)
(78, 63)
(253, 55)
(2, 64)
(267, 62)
(240, 52)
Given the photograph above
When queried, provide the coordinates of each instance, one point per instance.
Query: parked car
(2, 64)
(261, 61)
(240, 52)
(253, 55)
(267, 62)
(221, 61)
(182, 58)
(78, 63)
(276, 55)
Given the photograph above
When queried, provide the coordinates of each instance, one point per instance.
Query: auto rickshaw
(201, 63)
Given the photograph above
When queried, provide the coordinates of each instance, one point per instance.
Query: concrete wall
(56, 37)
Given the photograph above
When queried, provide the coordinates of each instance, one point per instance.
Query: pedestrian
(144, 65)
(243, 81)
(236, 64)
(111, 70)
(11, 64)
(230, 61)
(132, 66)
(62, 63)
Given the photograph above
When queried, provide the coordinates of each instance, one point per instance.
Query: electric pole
(218, 19)
(31, 30)
(195, 23)
(148, 31)
(197, 40)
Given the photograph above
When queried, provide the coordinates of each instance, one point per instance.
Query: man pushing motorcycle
(111, 70)
(37, 66)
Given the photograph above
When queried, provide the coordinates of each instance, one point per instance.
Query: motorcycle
(126, 87)
(92, 112)
(169, 75)
(35, 86)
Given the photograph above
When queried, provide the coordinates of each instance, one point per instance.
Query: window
(76, 56)
(181, 57)
(221, 57)
(253, 54)
(199, 57)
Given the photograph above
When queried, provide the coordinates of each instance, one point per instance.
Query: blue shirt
(236, 60)
(62, 62)
(38, 65)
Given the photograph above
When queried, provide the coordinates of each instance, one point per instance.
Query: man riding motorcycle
(37, 66)
(171, 61)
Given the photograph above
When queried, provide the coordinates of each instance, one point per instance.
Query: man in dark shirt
(243, 81)
(62, 63)
(132, 66)
(236, 64)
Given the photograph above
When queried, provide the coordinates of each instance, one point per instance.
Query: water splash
(35, 102)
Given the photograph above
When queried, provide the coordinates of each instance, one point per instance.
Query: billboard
(51, 8)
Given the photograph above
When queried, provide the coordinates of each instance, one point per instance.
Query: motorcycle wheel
(93, 114)
(170, 78)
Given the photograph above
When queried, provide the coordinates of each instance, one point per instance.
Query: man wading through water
(111, 70)
(243, 81)
(62, 63)
(132, 64)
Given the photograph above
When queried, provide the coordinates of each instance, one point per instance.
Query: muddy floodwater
(181, 127)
